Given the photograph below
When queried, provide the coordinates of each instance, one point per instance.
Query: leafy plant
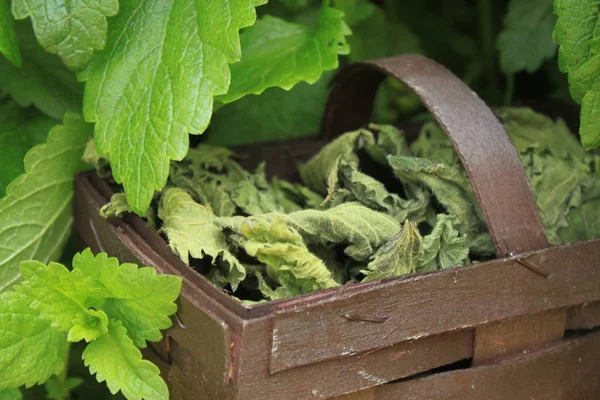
(114, 308)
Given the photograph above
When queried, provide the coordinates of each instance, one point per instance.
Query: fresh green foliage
(115, 308)
(73, 29)
(526, 40)
(10, 394)
(19, 132)
(280, 53)
(59, 390)
(41, 80)
(155, 81)
(8, 39)
(36, 213)
(577, 34)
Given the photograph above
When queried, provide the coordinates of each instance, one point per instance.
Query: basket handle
(499, 181)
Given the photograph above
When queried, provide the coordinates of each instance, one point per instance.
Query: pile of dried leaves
(275, 239)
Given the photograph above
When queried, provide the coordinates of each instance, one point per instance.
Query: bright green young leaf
(275, 114)
(154, 83)
(577, 34)
(399, 256)
(30, 349)
(116, 207)
(88, 325)
(73, 29)
(36, 213)
(280, 53)
(42, 80)
(10, 394)
(526, 40)
(191, 231)
(115, 359)
(57, 293)
(138, 297)
(8, 39)
(20, 130)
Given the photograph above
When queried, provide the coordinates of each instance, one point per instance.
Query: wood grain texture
(345, 375)
(565, 371)
(518, 335)
(423, 305)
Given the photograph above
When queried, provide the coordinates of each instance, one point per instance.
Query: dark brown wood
(521, 334)
(508, 205)
(566, 371)
(586, 316)
(307, 332)
(345, 375)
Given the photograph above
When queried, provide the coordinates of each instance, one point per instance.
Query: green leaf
(42, 80)
(275, 114)
(36, 214)
(116, 207)
(88, 325)
(10, 394)
(57, 293)
(138, 297)
(289, 263)
(73, 29)
(20, 130)
(397, 257)
(444, 247)
(58, 390)
(355, 11)
(191, 231)
(526, 39)
(577, 33)
(30, 349)
(281, 53)
(115, 359)
(361, 229)
(315, 173)
(154, 83)
(8, 39)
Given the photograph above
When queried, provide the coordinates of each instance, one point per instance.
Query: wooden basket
(492, 330)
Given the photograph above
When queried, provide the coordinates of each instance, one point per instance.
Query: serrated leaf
(30, 349)
(8, 39)
(399, 256)
(154, 83)
(57, 293)
(42, 80)
(289, 263)
(10, 394)
(577, 34)
(73, 29)
(115, 359)
(280, 53)
(316, 172)
(36, 214)
(191, 230)
(138, 297)
(526, 39)
(20, 130)
(88, 325)
(444, 247)
(116, 207)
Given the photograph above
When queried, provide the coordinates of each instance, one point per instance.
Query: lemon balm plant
(140, 76)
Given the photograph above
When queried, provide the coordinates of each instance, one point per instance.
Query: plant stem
(486, 37)
(64, 374)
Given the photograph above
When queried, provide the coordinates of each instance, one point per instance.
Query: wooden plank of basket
(567, 370)
(492, 164)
